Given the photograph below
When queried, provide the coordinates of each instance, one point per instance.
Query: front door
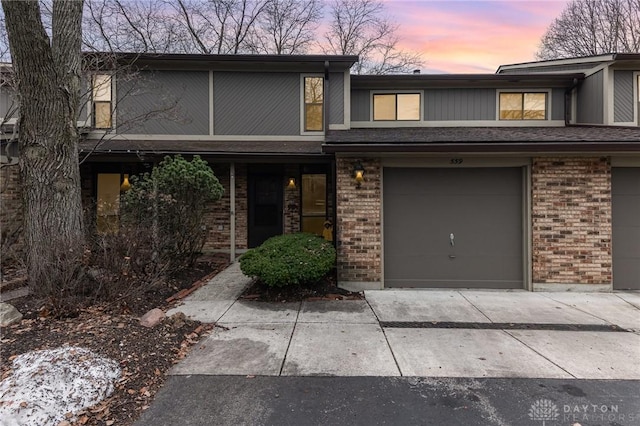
(265, 207)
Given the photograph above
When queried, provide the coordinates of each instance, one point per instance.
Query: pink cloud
(473, 36)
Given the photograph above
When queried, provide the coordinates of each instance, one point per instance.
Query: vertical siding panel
(360, 105)
(590, 102)
(425, 105)
(623, 96)
(437, 106)
(453, 104)
(468, 105)
(336, 98)
(557, 104)
(253, 103)
(430, 100)
(178, 102)
(459, 104)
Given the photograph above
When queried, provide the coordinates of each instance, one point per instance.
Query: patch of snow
(46, 385)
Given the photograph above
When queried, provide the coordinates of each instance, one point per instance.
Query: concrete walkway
(416, 333)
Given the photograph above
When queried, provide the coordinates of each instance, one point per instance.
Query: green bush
(172, 202)
(291, 259)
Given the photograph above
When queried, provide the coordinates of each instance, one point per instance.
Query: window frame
(547, 104)
(373, 93)
(303, 104)
(95, 102)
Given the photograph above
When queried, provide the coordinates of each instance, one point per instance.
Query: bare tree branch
(287, 27)
(593, 27)
(361, 27)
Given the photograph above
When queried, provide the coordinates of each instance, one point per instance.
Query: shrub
(123, 265)
(291, 259)
(171, 202)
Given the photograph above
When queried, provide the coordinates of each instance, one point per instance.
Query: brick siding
(571, 220)
(292, 200)
(218, 217)
(358, 222)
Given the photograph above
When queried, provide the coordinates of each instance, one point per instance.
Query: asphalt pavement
(280, 401)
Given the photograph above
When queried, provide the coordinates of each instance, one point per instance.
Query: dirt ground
(145, 354)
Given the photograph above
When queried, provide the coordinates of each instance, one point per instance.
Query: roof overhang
(586, 60)
(210, 148)
(569, 139)
(223, 62)
(464, 80)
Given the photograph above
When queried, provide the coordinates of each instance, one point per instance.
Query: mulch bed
(145, 354)
(325, 289)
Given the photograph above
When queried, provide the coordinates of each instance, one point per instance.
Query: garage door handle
(452, 239)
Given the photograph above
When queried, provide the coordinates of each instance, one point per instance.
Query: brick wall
(358, 230)
(571, 220)
(292, 200)
(218, 217)
(10, 201)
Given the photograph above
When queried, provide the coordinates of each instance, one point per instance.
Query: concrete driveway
(427, 333)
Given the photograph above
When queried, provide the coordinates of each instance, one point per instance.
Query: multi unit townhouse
(528, 178)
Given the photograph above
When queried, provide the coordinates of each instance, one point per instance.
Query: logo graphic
(543, 410)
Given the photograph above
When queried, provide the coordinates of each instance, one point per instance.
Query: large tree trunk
(47, 73)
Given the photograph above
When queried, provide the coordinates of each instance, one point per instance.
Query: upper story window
(313, 104)
(101, 98)
(523, 106)
(396, 106)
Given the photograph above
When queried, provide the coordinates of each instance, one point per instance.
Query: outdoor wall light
(358, 172)
(125, 184)
(292, 183)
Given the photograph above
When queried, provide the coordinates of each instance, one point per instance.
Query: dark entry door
(453, 227)
(265, 207)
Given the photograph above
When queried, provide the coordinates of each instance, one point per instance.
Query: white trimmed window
(101, 98)
(396, 106)
(313, 114)
(523, 106)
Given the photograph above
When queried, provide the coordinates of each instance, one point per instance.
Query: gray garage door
(625, 188)
(453, 227)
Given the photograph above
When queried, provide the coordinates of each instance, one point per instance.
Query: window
(396, 106)
(313, 104)
(523, 106)
(314, 202)
(102, 101)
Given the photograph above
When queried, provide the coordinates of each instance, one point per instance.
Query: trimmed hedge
(291, 259)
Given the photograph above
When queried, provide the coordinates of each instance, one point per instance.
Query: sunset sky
(473, 36)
